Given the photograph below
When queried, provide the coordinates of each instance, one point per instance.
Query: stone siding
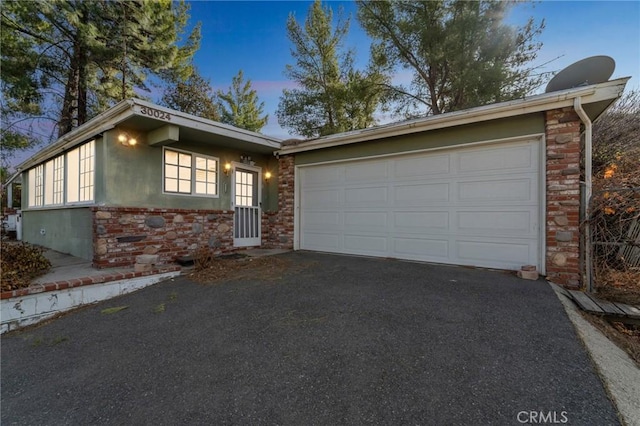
(122, 233)
(563, 152)
(277, 227)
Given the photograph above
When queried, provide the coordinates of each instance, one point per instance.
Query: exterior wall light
(227, 169)
(127, 140)
(267, 177)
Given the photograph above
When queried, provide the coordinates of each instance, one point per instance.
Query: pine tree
(239, 105)
(333, 96)
(193, 96)
(83, 56)
(460, 52)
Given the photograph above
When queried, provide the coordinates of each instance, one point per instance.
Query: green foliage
(460, 52)
(193, 96)
(333, 96)
(20, 264)
(239, 105)
(86, 55)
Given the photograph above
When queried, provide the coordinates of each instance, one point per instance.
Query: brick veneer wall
(122, 233)
(277, 227)
(562, 127)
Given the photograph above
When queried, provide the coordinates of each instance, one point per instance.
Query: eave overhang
(131, 111)
(594, 94)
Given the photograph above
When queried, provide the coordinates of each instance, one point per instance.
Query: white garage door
(474, 206)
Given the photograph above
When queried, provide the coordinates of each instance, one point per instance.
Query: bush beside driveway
(331, 340)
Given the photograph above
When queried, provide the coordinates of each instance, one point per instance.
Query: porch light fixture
(127, 140)
(227, 169)
(267, 177)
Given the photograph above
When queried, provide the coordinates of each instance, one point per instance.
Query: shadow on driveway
(334, 340)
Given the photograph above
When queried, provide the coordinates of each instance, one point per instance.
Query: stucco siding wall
(133, 176)
(65, 230)
(442, 138)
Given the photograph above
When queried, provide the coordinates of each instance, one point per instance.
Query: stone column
(562, 128)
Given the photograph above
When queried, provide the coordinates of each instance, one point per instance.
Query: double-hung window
(36, 186)
(190, 173)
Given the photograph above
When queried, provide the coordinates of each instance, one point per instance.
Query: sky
(252, 36)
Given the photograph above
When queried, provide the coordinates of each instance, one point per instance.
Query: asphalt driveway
(332, 340)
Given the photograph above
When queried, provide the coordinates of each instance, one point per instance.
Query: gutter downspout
(588, 130)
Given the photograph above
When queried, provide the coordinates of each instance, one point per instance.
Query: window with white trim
(58, 180)
(206, 176)
(80, 173)
(71, 174)
(54, 182)
(36, 186)
(189, 173)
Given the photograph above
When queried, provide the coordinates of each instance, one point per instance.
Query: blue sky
(252, 36)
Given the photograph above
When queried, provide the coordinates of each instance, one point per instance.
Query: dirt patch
(626, 336)
(267, 268)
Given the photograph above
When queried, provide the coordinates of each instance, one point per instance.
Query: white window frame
(193, 175)
(36, 186)
(50, 182)
(84, 181)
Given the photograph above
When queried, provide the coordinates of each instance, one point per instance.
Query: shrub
(20, 264)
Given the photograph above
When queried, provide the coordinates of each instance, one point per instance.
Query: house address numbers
(155, 113)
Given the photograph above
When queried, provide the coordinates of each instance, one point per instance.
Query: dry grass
(267, 268)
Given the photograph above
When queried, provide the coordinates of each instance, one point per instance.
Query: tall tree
(193, 96)
(239, 105)
(461, 53)
(333, 96)
(85, 55)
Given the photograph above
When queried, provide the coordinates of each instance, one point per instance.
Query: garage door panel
(367, 172)
(497, 159)
(320, 176)
(507, 254)
(412, 221)
(370, 243)
(368, 196)
(322, 241)
(496, 190)
(422, 248)
(423, 165)
(365, 221)
(496, 222)
(322, 220)
(420, 194)
(322, 199)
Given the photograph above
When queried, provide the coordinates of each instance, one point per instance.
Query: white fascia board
(102, 122)
(210, 126)
(128, 108)
(546, 101)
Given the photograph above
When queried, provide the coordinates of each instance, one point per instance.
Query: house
(143, 179)
(498, 186)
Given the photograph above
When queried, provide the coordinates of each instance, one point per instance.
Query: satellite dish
(593, 70)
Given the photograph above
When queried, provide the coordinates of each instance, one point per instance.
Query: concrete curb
(30, 309)
(618, 372)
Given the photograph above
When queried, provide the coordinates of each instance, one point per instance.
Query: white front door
(245, 200)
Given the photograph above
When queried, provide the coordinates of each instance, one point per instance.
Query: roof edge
(128, 108)
(546, 101)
